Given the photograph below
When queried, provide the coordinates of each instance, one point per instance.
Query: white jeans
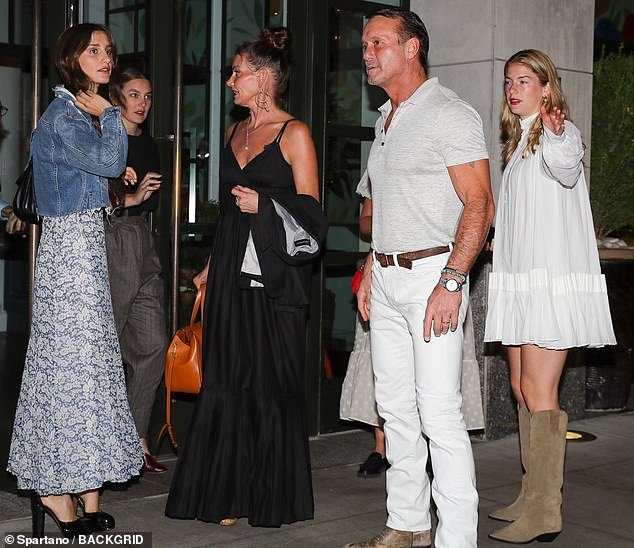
(418, 392)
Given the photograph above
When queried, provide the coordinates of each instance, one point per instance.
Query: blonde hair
(540, 64)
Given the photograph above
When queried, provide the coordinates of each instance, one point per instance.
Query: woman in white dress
(546, 290)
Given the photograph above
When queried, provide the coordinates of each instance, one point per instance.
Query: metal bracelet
(452, 272)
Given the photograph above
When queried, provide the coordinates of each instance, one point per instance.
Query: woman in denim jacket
(73, 430)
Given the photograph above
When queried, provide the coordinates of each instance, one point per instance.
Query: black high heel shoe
(102, 521)
(69, 529)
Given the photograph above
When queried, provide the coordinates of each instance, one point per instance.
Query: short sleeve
(364, 187)
(460, 134)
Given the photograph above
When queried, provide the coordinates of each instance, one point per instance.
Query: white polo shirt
(414, 204)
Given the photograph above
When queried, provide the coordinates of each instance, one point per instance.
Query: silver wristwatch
(451, 284)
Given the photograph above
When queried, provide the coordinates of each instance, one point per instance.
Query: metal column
(36, 84)
(178, 162)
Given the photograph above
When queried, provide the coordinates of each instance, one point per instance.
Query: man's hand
(473, 186)
(363, 295)
(441, 315)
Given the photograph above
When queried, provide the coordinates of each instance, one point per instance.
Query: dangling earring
(263, 100)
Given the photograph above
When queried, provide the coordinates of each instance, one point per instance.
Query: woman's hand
(201, 277)
(553, 120)
(247, 199)
(150, 183)
(91, 102)
(129, 176)
(13, 223)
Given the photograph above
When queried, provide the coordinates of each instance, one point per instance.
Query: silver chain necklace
(246, 144)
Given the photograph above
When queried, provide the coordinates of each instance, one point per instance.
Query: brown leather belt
(406, 259)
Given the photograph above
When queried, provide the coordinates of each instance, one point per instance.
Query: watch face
(451, 284)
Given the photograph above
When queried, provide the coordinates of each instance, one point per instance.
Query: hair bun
(278, 37)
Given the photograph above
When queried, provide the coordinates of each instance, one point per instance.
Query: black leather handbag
(25, 202)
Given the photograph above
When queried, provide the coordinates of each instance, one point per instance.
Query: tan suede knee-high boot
(515, 509)
(541, 518)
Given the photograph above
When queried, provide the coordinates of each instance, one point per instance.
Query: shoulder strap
(235, 128)
(279, 135)
(199, 304)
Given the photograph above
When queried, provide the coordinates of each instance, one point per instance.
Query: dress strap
(279, 135)
(235, 128)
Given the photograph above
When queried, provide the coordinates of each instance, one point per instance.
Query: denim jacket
(71, 161)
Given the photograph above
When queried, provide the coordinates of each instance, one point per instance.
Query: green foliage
(612, 176)
(208, 212)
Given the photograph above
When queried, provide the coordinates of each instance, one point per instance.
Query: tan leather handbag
(183, 363)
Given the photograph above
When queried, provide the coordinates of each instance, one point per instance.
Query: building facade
(470, 40)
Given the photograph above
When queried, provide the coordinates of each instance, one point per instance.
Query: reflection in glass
(196, 48)
(343, 172)
(339, 318)
(351, 113)
(345, 77)
(277, 13)
(122, 28)
(4, 21)
(351, 101)
(194, 118)
(244, 23)
(141, 31)
(388, 2)
(115, 4)
(347, 159)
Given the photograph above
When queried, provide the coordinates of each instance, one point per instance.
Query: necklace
(246, 144)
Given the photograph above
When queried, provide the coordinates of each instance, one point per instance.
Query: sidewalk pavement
(598, 508)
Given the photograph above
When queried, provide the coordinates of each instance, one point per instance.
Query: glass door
(14, 302)
(350, 113)
(16, 114)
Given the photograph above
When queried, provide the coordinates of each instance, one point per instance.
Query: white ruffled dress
(546, 286)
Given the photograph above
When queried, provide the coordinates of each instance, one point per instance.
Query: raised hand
(91, 102)
(553, 120)
(150, 183)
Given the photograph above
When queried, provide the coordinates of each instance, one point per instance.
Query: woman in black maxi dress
(246, 453)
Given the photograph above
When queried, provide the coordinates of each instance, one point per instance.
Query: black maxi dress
(246, 453)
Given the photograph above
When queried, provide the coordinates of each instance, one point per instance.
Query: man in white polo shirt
(431, 211)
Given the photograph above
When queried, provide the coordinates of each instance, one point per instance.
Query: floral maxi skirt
(73, 430)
